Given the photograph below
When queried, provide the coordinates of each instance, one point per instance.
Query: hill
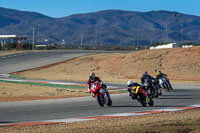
(181, 64)
(108, 27)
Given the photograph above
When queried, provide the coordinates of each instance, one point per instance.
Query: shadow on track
(178, 95)
(131, 106)
(4, 122)
(125, 106)
(177, 98)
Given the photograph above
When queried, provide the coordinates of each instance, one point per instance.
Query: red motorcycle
(139, 94)
(99, 93)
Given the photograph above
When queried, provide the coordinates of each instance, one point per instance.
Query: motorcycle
(156, 86)
(164, 83)
(138, 93)
(100, 94)
(150, 87)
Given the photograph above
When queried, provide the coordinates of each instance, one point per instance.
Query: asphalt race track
(27, 111)
(29, 60)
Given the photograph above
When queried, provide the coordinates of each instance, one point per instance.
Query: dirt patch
(181, 64)
(172, 122)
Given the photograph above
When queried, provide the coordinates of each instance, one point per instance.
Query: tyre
(160, 92)
(152, 92)
(166, 87)
(151, 102)
(156, 94)
(100, 100)
(142, 100)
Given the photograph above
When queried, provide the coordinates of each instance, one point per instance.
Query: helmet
(145, 73)
(130, 82)
(92, 76)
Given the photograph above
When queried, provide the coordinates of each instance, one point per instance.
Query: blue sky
(61, 8)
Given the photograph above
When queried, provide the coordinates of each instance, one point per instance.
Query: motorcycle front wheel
(151, 102)
(100, 100)
(142, 100)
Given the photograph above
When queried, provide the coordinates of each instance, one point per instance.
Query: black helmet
(92, 76)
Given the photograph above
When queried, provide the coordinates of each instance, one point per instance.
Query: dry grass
(23, 92)
(180, 65)
(172, 122)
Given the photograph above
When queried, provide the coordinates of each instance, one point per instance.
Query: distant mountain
(108, 27)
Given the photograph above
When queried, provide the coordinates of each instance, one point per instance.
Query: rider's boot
(108, 95)
(129, 93)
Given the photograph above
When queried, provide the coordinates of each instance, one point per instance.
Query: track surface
(14, 112)
(29, 60)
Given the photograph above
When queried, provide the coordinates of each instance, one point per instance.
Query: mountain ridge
(106, 27)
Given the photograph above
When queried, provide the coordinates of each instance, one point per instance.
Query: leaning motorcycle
(157, 88)
(150, 87)
(138, 95)
(100, 94)
(164, 83)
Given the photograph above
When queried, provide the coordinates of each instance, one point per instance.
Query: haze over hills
(107, 27)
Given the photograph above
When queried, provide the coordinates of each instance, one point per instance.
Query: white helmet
(130, 82)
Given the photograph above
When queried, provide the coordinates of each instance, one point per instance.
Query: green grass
(16, 76)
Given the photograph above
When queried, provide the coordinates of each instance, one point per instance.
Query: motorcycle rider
(159, 74)
(92, 79)
(151, 83)
(131, 84)
(146, 76)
